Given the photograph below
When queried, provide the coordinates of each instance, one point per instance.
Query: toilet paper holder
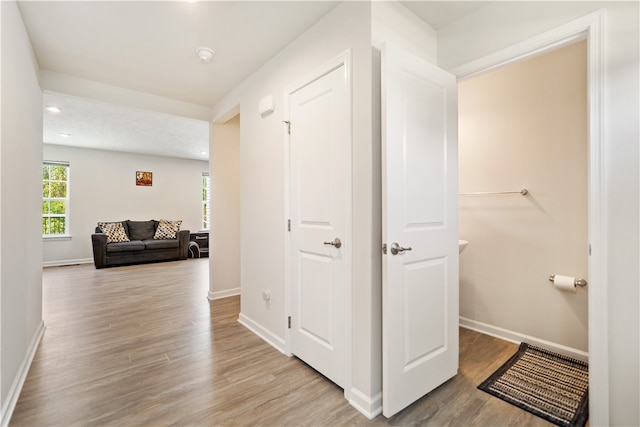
(578, 282)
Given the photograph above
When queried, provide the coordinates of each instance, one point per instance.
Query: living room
(102, 188)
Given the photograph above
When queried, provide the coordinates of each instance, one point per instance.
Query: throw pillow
(167, 229)
(141, 230)
(115, 232)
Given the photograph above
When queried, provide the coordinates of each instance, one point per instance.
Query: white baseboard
(16, 387)
(223, 294)
(517, 338)
(62, 263)
(368, 406)
(275, 341)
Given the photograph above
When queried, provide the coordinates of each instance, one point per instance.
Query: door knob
(336, 243)
(397, 249)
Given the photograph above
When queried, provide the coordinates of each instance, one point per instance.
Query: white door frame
(591, 28)
(343, 59)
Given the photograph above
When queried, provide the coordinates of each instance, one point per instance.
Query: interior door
(420, 228)
(319, 155)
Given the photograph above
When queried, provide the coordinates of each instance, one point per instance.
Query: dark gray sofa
(141, 247)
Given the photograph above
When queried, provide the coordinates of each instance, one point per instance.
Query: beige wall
(224, 243)
(525, 125)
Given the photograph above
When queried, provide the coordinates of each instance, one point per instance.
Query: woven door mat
(550, 385)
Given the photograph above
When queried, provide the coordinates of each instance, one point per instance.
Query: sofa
(134, 242)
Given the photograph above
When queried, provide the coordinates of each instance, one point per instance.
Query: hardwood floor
(142, 345)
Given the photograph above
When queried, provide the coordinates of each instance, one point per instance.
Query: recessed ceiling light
(64, 134)
(205, 55)
(204, 153)
(53, 109)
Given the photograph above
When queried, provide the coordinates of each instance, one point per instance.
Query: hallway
(141, 345)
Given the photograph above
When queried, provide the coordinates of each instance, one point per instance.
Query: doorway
(524, 126)
(224, 236)
(589, 27)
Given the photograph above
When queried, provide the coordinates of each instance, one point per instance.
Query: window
(206, 200)
(55, 199)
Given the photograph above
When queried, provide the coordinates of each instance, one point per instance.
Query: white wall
(224, 239)
(525, 126)
(501, 24)
(355, 26)
(393, 23)
(263, 170)
(20, 189)
(102, 188)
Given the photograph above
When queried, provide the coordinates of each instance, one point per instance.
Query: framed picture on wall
(144, 178)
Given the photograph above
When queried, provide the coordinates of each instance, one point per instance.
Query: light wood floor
(142, 345)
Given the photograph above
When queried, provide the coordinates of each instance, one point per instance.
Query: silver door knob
(397, 249)
(336, 243)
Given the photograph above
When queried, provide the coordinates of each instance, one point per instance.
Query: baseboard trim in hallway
(9, 404)
(367, 406)
(268, 336)
(516, 337)
(223, 294)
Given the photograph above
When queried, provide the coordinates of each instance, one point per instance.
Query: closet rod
(524, 192)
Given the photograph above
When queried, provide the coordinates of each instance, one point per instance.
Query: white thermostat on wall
(266, 105)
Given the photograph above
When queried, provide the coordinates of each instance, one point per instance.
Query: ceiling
(439, 14)
(149, 47)
(99, 125)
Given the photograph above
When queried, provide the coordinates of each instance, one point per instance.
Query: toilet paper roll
(564, 283)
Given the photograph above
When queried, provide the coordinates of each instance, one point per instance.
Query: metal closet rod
(523, 192)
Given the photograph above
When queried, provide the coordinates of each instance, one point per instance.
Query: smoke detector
(205, 55)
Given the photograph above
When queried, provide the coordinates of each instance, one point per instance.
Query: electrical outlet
(266, 295)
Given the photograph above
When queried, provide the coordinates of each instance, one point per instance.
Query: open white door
(420, 228)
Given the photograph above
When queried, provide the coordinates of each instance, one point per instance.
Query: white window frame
(67, 234)
(206, 202)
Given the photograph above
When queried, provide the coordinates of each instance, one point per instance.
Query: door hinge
(288, 123)
(289, 322)
(288, 225)
(384, 248)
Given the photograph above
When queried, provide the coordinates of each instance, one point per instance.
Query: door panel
(319, 154)
(419, 183)
(421, 346)
(316, 302)
(311, 119)
(422, 129)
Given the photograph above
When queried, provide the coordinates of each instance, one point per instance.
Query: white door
(420, 219)
(319, 156)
